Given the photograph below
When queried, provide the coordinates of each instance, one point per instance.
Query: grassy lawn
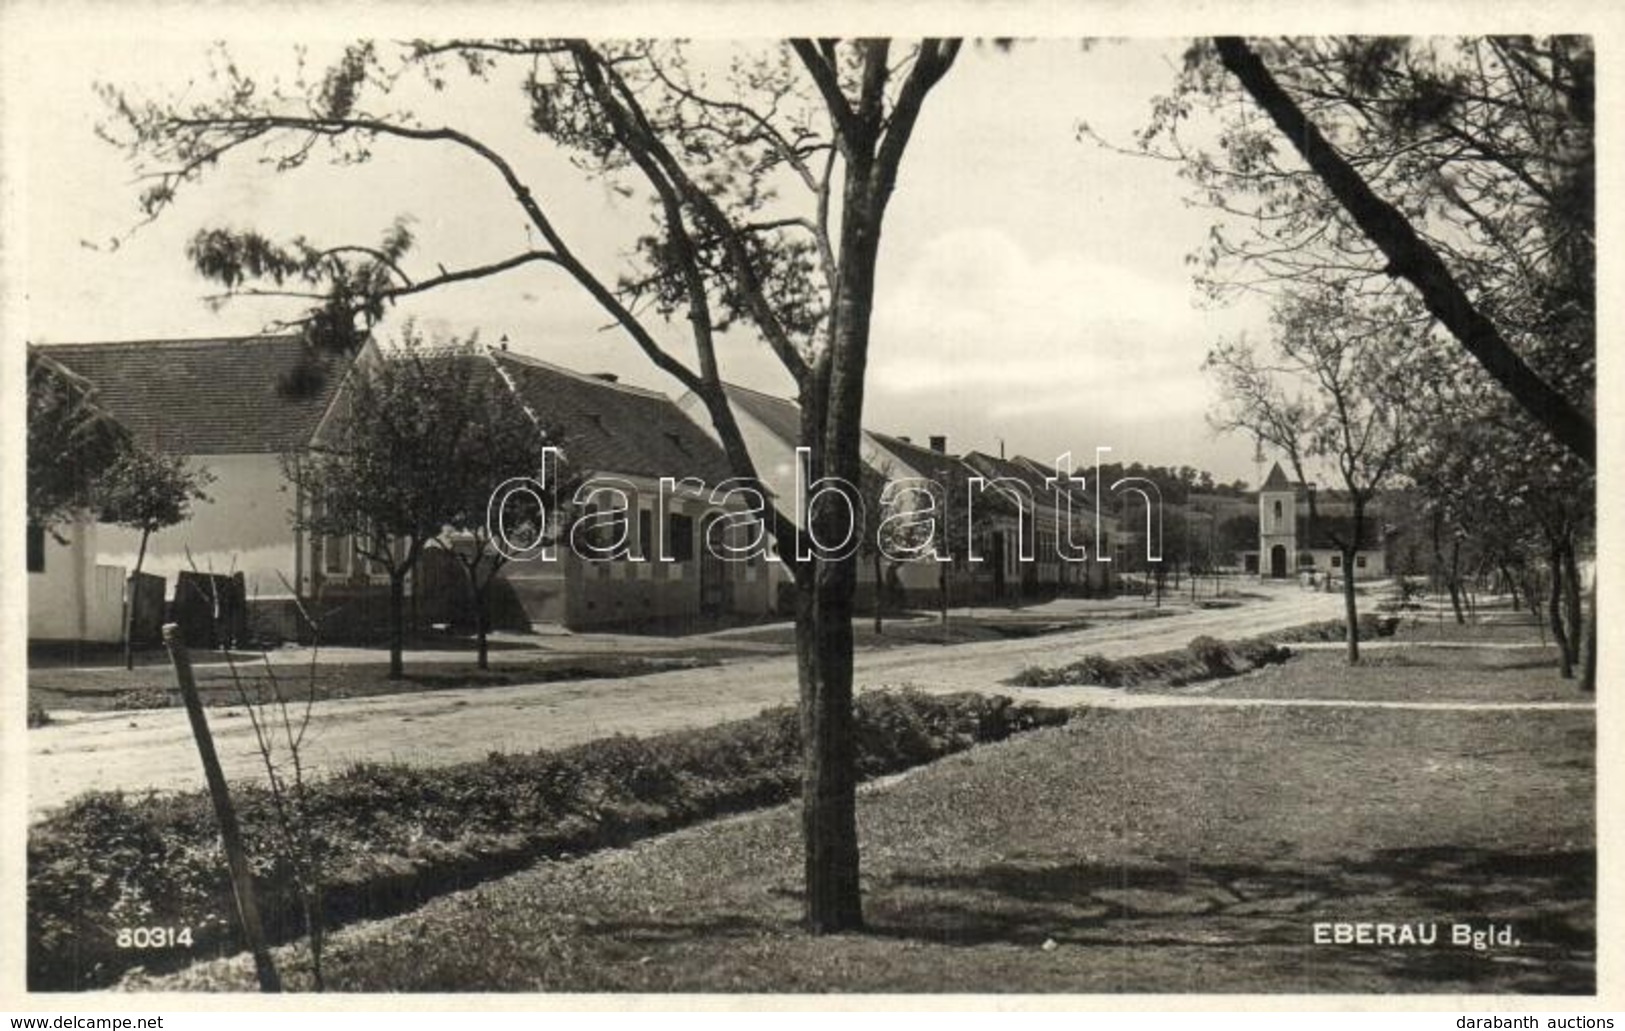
(149, 687)
(1411, 674)
(1495, 626)
(1143, 850)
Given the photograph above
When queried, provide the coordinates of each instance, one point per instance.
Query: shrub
(1204, 658)
(1261, 651)
(37, 716)
(143, 698)
(1214, 655)
(392, 834)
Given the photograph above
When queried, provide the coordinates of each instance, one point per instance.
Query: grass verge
(1139, 850)
(393, 835)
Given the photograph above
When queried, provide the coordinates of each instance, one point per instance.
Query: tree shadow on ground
(1244, 926)
(1549, 899)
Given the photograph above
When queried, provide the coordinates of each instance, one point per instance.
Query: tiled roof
(1081, 497)
(612, 428)
(203, 397)
(1000, 468)
(948, 470)
(782, 417)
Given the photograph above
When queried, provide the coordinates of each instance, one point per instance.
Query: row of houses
(222, 404)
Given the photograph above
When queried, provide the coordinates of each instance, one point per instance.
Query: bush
(1092, 669)
(37, 716)
(143, 698)
(393, 835)
(1204, 658)
(1214, 655)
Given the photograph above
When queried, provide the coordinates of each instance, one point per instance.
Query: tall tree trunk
(829, 789)
(397, 622)
(879, 592)
(1588, 655)
(1571, 599)
(1453, 574)
(482, 622)
(1555, 614)
(832, 412)
(129, 599)
(1351, 614)
(480, 594)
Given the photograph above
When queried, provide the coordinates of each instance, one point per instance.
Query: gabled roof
(1080, 497)
(213, 396)
(781, 416)
(613, 428)
(1003, 468)
(1277, 480)
(949, 471)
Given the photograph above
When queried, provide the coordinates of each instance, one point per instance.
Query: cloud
(975, 312)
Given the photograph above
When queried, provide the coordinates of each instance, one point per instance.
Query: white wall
(245, 527)
(1375, 563)
(74, 598)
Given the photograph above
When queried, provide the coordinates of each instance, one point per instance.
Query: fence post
(242, 879)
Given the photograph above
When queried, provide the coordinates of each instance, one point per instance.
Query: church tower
(1277, 526)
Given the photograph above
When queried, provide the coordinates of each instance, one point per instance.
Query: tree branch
(1411, 257)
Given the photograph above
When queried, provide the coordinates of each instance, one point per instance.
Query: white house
(232, 406)
(1289, 547)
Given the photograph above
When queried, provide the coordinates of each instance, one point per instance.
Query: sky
(1033, 292)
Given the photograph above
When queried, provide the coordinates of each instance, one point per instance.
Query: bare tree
(1324, 394)
(769, 187)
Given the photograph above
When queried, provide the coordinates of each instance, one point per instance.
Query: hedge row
(393, 835)
(1204, 658)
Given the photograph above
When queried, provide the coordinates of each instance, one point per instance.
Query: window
(1359, 561)
(1337, 561)
(680, 529)
(1277, 510)
(336, 554)
(36, 549)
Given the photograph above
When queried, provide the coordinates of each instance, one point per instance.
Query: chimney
(939, 444)
(607, 377)
(503, 343)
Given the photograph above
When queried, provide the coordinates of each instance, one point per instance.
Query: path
(153, 749)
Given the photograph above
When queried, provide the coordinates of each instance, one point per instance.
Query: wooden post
(242, 880)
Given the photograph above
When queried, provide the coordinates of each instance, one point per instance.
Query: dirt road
(137, 751)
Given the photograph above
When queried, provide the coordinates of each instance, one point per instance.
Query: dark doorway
(1278, 562)
(998, 563)
(713, 573)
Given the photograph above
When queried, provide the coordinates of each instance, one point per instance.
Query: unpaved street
(153, 749)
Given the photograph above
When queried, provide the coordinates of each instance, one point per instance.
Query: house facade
(990, 571)
(637, 450)
(232, 407)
